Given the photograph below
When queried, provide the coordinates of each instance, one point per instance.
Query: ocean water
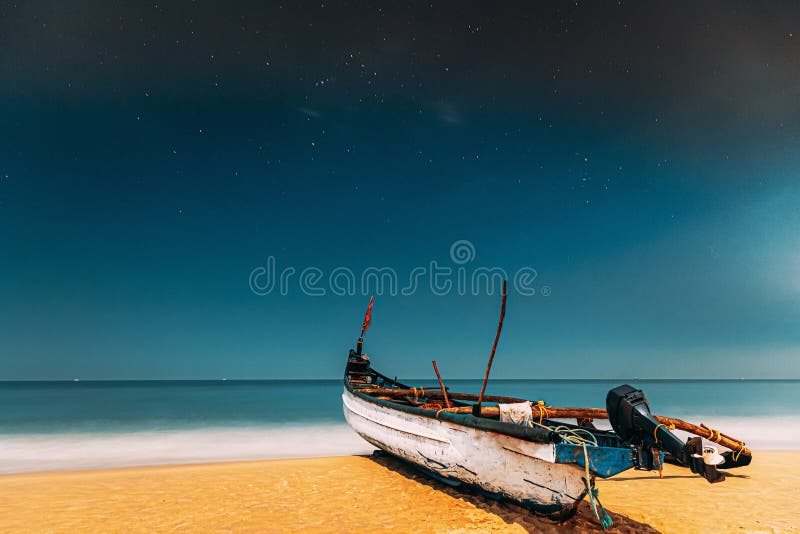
(81, 425)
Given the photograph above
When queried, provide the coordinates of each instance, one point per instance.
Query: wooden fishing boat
(520, 450)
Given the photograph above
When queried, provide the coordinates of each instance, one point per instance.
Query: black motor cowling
(626, 408)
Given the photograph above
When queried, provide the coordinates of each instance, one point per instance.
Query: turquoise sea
(74, 425)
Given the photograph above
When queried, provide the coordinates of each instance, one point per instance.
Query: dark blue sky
(643, 159)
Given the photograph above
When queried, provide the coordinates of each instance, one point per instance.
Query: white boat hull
(516, 469)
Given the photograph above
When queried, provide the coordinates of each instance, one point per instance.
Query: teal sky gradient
(654, 188)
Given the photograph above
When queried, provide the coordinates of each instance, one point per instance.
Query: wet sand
(347, 494)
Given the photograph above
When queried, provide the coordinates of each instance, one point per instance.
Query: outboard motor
(630, 417)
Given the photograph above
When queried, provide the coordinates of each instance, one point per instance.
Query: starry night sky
(643, 158)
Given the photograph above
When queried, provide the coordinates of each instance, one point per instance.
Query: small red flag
(368, 316)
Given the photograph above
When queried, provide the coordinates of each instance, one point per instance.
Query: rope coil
(543, 413)
(574, 436)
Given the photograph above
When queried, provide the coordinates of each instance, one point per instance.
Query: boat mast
(476, 409)
(365, 324)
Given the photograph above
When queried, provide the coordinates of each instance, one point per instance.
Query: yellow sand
(356, 493)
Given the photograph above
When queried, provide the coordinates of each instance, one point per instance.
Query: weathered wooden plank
(519, 469)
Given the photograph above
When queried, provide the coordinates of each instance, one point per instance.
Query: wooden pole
(494, 346)
(551, 412)
(441, 384)
(435, 394)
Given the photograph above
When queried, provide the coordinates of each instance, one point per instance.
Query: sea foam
(758, 433)
(52, 452)
(70, 451)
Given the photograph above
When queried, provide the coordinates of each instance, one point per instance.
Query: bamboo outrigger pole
(477, 407)
(553, 412)
(441, 384)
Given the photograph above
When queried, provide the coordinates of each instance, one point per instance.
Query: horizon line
(295, 379)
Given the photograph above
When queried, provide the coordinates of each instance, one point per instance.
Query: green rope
(575, 436)
(579, 436)
(594, 495)
(594, 502)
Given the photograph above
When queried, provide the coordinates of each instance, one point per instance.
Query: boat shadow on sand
(512, 514)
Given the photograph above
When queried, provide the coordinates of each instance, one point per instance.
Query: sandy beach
(346, 494)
